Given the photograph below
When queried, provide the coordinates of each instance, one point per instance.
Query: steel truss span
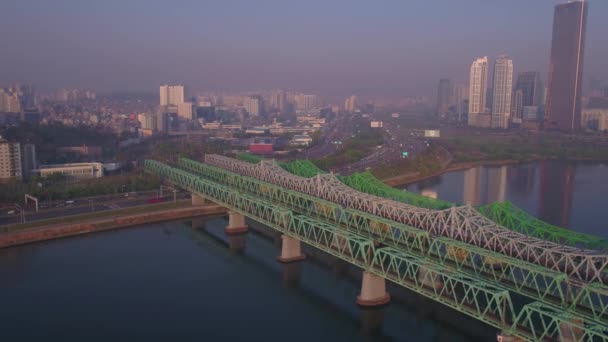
(461, 223)
(485, 302)
(531, 280)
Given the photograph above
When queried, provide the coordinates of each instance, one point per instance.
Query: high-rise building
(445, 96)
(278, 100)
(351, 104)
(253, 105)
(461, 96)
(478, 87)
(531, 87)
(502, 90)
(185, 110)
(563, 110)
(517, 108)
(171, 95)
(10, 160)
(9, 101)
(305, 102)
(28, 160)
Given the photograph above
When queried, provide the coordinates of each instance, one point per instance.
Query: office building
(478, 87)
(351, 104)
(530, 113)
(517, 108)
(531, 88)
(28, 160)
(171, 95)
(10, 160)
(278, 100)
(445, 96)
(502, 90)
(563, 109)
(306, 102)
(185, 110)
(253, 105)
(595, 119)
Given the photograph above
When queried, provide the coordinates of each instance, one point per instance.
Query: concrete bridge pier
(236, 223)
(373, 291)
(198, 200)
(291, 250)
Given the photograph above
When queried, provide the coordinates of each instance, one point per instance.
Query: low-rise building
(595, 119)
(301, 140)
(74, 171)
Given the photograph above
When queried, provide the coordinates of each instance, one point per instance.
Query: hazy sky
(400, 45)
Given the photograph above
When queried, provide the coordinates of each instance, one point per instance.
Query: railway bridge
(527, 287)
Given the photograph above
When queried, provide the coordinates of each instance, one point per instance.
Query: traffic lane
(77, 210)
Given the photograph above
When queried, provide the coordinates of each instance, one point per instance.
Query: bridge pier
(371, 320)
(198, 200)
(236, 223)
(373, 291)
(291, 250)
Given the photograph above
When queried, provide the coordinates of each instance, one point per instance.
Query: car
(69, 202)
(11, 212)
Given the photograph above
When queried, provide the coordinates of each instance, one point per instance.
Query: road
(84, 205)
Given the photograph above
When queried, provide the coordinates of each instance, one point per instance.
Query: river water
(188, 281)
(566, 194)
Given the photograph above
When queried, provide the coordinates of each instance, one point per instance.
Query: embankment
(56, 231)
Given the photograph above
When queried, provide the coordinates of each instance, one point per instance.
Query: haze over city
(296, 171)
(388, 47)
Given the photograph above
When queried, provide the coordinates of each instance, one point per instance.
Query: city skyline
(318, 46)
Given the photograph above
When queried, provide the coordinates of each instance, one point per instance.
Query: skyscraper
(171, 95)
(445, 96)
(252, 105)
(478, 88)
(502, 89)
(563, 109)
(531, 88)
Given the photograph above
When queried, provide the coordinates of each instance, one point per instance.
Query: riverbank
(116, 221)
(411, 177)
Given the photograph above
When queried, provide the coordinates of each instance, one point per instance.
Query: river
(189, 281)
(566, 194)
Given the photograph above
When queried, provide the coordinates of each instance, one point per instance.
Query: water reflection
(371, 320)
(484, 185)
(544, 189)
(555, 196)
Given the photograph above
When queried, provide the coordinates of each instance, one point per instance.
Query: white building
(185, 110)
(301, 140)
(351, 104)
(501, 92)
(252, 105)
(74, 171)
(10, 160)
(305, 102)
(478, 87)
(171, 95)
(595, 119)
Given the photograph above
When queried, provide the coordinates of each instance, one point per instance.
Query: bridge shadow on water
(331, 285)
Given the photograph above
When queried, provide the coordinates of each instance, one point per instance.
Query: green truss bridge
(524, 297)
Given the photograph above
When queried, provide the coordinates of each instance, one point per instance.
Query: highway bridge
(527, 287)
